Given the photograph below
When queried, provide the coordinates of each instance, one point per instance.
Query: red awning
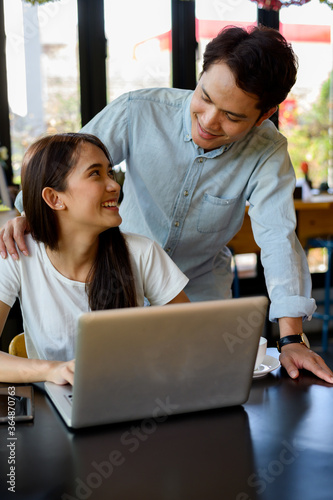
(292, 32)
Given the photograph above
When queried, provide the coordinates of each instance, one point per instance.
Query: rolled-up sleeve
(273, 219)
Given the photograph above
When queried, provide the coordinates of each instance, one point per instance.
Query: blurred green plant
(309, 139)
(39, 2)
(327, 2)
(3, 153)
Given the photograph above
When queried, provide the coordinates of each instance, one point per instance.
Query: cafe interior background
(61, 61)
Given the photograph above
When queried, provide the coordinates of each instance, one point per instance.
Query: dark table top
(278, 446)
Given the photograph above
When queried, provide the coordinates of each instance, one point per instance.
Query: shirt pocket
(215, 213)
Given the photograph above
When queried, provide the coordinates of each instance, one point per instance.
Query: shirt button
(185, 193)
(200, 160)
(177, 224)
(167, 249)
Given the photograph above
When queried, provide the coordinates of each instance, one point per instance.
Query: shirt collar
(187, 125)
(187, 128)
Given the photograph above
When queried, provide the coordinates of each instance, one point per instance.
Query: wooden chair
(17, 346)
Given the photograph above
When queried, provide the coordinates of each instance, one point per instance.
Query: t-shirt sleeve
(9, 281)
(19, 202)
(163, 280)
(157, 276)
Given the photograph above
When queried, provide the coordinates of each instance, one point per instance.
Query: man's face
(221, 112)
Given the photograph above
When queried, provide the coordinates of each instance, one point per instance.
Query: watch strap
(290, 339)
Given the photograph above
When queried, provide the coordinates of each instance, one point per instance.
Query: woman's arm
(181, 297)
(14, 369)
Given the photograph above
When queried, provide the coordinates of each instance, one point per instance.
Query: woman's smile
(110, 204)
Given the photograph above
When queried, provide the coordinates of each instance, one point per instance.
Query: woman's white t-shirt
(51, 303)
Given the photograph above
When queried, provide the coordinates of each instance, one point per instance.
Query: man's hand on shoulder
(13, 232)
(294, 357)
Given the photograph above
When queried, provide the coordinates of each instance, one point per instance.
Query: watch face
(305, 340)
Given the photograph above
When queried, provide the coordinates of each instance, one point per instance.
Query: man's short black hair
(261, 60)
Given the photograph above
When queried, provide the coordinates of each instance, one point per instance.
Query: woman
(78, 259)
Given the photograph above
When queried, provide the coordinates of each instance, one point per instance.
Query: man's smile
(205, 134)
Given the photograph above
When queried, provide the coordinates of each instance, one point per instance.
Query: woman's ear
(51, 197)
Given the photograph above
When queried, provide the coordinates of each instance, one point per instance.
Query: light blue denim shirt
(192, 203)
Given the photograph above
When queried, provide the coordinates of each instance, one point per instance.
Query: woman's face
(91, 197)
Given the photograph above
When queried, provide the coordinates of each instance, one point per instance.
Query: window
(304, 117)
(213, 16)
(42, 72)
(139, 45)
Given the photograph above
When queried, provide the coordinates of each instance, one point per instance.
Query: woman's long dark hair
(47, 163)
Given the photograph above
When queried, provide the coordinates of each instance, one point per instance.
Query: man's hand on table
(13, 231)
(293, 357)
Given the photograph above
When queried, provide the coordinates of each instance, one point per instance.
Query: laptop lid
(155, 361)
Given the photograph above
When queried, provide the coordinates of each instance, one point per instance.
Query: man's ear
(51, 197)
(266, 115)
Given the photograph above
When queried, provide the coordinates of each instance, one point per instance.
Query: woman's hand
(61, 372)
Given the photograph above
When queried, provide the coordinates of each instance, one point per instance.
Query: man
(193, 161)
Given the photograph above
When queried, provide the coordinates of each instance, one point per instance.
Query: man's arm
(296, 356)
(13, 231)
(287, 275)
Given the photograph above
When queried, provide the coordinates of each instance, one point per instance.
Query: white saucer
(268, 365)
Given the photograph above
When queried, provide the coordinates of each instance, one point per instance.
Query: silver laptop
(153, 362)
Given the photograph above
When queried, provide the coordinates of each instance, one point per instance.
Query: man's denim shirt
(192, 203)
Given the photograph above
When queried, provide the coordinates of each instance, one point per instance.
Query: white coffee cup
(261, 352)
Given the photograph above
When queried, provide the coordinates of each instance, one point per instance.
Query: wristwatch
(299, 338)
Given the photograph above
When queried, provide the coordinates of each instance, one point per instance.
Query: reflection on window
(42, 72)
(304, 117)
(139, 44)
